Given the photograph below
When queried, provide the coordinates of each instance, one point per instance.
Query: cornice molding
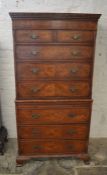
(55, 16)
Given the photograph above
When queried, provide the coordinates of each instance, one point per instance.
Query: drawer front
(60, 89)
(53, 114)
(75, 36)
(33, 36)
(69, 70)
(48, 147)
(79, 131)
(54, 52)
(54, 24)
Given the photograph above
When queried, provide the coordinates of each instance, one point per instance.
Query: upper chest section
(54, 21)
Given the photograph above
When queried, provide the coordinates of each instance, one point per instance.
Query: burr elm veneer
(54, 56)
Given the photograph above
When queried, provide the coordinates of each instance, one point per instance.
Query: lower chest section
(53, 129)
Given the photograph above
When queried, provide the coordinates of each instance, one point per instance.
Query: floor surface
(97, 166)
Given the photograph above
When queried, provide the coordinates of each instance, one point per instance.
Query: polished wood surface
(58, 147)
(55, 89)
(54, 56)
(54, 24)
(75, 36)
(34, 36)
(79, 131)
(52, 114)
(52, 52)
(56, 70)
(50, 16)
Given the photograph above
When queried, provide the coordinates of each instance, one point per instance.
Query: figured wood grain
(39, 36)
(33, 36)
(29, 114)
(78, 131)
(41, 89)
(54, 52)
(38, 147)
(54, 56)
(75, 36)
(54, 24)
(37, 71)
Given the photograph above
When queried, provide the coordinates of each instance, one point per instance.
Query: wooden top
(68, 16)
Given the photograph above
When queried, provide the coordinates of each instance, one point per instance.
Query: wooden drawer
(42, 89)
(75, 36)
(33, 36)
(54, 24)
(38, 36)
(48, 147)
(33, 71)
(56, 114)
(54, 52)
(77, 131)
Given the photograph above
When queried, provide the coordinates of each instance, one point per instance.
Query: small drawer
(54, 52)
(52, 147)
(75, 36)
(33, 36)
(78, 131)
(62, 89)
(53, 114)
(34, 71)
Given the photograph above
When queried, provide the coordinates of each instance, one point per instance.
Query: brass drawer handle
(76, 37)
(71, 132)
(74, 70)
(37, 147)
(75, 53)
(73, 89)
(35, 89)
(35, 116)
(34, 52)
(35, 70)
(34, 36)
(72, 115)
